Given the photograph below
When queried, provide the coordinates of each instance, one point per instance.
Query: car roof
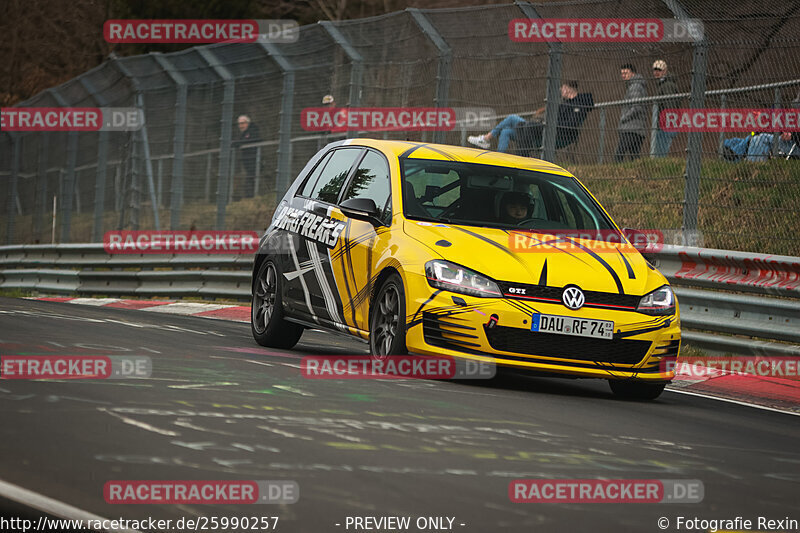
(447, 152)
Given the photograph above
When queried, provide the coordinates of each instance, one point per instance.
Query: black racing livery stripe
(543, 275)
(631, 274)
(345, 259)
(491, 242)
(602, 262)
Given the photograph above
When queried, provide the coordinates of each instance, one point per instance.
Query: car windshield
(491, 196)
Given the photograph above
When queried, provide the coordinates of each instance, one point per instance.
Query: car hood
(591, 265)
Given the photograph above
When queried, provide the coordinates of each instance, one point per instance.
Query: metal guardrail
(730, 301)
(717, 316)
(88, 270)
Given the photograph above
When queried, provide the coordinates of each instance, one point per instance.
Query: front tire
(387, 319)
(267, 323)
(637, 390)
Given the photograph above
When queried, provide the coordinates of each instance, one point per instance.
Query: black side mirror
(362, 209)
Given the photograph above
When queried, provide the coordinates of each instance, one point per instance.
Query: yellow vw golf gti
(442, 250)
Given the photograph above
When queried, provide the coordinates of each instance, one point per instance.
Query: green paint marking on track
(359, 397)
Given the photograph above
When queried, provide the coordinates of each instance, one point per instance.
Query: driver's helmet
(512, 204)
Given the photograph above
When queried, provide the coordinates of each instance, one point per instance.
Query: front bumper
(456, 325)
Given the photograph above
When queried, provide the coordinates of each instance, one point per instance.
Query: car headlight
(659, 302)
(455, 278)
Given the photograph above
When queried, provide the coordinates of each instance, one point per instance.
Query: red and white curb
(772, 393)
(237, 313)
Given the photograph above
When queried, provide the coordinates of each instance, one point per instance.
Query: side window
(371, 180)
(567, 209)
(330, 181)
(312, 178)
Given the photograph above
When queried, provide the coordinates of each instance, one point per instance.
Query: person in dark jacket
(572, 113)
(666, 86)
(633, 117)
(248, 134)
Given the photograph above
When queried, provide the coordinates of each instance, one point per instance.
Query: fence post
(69, 177)
(356, 64)
(553, 95)
(142, 133)
(258, 171)
(776, 135)
(601, 142)
(723, 100)
(226, 123)
(176, 191)
(283, 173)
(653, 129)
(41, 193)
(148, 163)
(691, 196)
(441, 96)
(694, 145)
(102, 157)
(16, 141)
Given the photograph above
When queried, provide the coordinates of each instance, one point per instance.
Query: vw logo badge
(573, 298)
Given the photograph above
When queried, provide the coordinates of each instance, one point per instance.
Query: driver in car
(514, 207)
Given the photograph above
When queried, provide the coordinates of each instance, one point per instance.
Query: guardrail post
(283, 173)
(553, 96)
(441, 96)
(16, 141)
(102, 156)
(176, 190)
(226, 124)
(356, 64)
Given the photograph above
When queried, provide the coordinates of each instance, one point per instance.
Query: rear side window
(312, 179)
(371, 180)
(332, 177)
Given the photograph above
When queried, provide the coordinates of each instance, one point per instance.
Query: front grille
(544, 293)
(522, 341)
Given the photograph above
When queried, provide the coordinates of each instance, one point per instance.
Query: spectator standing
(666, 85)
(248, 134)
(633, 117)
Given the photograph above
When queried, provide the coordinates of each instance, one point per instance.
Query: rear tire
(387, 319)
(267, 323)
(637, 390)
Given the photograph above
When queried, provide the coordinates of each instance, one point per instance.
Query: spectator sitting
(758, 147)
(572, 113)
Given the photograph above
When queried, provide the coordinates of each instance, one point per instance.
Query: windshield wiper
(429, 219)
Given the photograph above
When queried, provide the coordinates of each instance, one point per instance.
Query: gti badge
(573, 298)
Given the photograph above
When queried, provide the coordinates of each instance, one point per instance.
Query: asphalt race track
(220, 407)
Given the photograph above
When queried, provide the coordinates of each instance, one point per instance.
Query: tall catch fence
(184, 169)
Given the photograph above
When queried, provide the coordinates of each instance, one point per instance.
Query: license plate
(577, 327)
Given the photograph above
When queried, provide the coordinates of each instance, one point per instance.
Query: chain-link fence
(188, 167)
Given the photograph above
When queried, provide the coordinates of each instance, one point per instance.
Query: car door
(310, 289)
(362, 242)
